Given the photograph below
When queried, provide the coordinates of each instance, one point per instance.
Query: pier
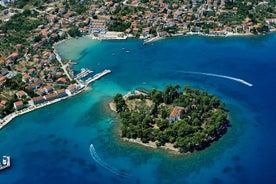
(97, 76)
(6, 162)
(84, 72)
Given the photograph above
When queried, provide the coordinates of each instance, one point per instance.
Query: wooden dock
(6, 162)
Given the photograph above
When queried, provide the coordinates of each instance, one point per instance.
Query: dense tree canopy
(202, 120)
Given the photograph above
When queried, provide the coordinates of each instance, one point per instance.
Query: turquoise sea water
(52, 144)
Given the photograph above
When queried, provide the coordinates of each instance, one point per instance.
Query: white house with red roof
(18, 105)
(61, 80)
(175, 114)
(50, 96)
(49, 89)
(26, 77)
(38, 100)
(21, 94)
(31, 72)
(41, 91)
(14, 56)
(73, 88)
(61, 93)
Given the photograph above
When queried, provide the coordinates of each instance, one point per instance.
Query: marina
(84, 72)
(6, 162)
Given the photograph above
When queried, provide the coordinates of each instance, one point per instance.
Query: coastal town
(33, 75)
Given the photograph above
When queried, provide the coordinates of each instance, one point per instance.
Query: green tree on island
(189, 119)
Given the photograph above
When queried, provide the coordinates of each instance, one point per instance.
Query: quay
(97, 76)
(84, 72)
(6, 162)
(82, 86)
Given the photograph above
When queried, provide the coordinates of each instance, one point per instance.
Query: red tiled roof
(48, 87)
(50, 96)
(60, 91)
(38, 98)
(14, 55)
(72, 86)
(26, 76)
(3, 102)
(176, 111)
(2, 78)
(61, 79)
(18, 103)
(41, 90)
(21, 93)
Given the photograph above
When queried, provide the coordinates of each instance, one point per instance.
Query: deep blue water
(52, 144)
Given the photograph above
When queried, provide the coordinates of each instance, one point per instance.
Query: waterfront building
(49, 89)
(61, 93)
(38, 100)
(50, 96)
(18, 105)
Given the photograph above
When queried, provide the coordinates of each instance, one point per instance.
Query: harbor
(84, 72)
(6, 162)
(82, 86)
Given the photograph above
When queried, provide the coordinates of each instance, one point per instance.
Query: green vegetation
(80, 7)
(201, 120)
(74, 31)
(2, 8)
(19, 28)
(30, 3)
(119, 26)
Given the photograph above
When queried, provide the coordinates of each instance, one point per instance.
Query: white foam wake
(221, 76)
(98, 160)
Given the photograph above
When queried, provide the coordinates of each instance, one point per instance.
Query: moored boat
(6, 162)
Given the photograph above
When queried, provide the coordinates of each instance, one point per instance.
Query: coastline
(112, 106)
(109, 35)
(7, 119)
(157, 38)
(150, 144)
(4, 121)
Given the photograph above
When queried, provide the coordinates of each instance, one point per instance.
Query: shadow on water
(227, 169)
(236, 158)
(216, 180)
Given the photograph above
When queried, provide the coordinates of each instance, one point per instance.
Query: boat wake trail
(221, 76)
(98, 160)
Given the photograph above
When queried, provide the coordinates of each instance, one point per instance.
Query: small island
(185, 120)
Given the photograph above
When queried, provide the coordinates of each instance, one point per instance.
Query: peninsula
(185, 120)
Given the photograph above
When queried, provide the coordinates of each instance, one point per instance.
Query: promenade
(10, 117)
(64, 67)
